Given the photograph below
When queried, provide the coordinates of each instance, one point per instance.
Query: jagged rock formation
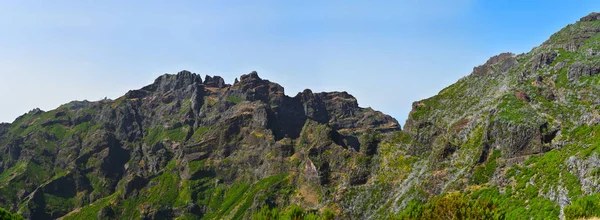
(164, 151)
(517, 138)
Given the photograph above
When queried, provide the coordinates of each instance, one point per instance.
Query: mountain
(187, 147)
(518, 138)
(520, 134)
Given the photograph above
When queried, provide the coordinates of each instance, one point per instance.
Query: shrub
(452, 206)
(585, 207)
(5, 215)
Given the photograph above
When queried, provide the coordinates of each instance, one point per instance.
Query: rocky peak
(215, 81)
(250, 76)
(594, 16)
(168, 82)
(256, 88)
(168, 128)
(341, 110)
(573, 36)
(35, 111)
(340, 97)
(499, 58)
(184, 78)
(341, 103)
(305, 95)
(506, 61)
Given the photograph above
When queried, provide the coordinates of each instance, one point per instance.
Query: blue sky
(386, 53)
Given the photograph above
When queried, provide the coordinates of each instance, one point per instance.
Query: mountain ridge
(178, 119)
(516, 138)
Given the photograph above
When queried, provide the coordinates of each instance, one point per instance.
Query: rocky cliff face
(181, 146)
(516, 138)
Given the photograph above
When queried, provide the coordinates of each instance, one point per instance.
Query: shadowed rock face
(338, 109)
(579, 69)
(185, 130)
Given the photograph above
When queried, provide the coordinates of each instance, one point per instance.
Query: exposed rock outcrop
(504, 60)
(594, 16)
(579, 69)
(184, 129)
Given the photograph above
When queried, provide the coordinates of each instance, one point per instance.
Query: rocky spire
(251, 76)
(215, 81)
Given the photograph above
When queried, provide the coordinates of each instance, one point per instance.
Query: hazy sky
(386, 53)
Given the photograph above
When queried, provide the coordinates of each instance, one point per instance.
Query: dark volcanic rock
(594, 16)
(178, 129)
(4, 128)
(579, 69)
(136, 94)
(64, 186)
(215, 81)
(169, 82)
(106, 213)
(506, 61)
(133, 185)
(543, 60)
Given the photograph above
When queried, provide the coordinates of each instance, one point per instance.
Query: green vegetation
(584, 207)
(516, 110)
(238, 199)
(163, 190)
(57, 130)
(234, 99)
(369, 142)
(452, 206)
(516, 208)
(484, 172)
(9, 174)
(199, 133)
(58, 206)
(5, 215)
(505, 143)
(156, 134)
(91, 211)
(481, 204)
(83, 129)
(585, 134)
(293, 212)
